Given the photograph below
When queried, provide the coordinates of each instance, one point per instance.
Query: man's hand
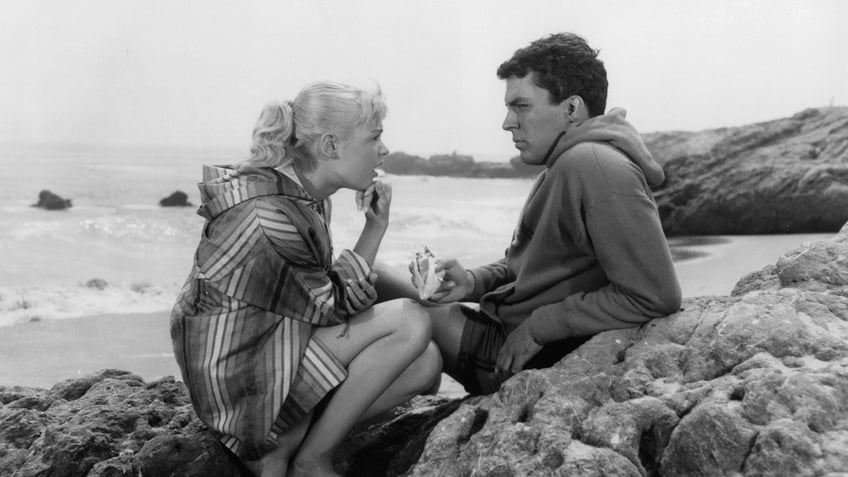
(516, 351)
(456, 284)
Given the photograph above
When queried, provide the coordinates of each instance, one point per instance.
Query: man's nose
(510, 121)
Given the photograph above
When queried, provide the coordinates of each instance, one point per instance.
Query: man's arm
(631, 248)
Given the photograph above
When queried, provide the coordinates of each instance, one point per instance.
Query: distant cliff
(455, 165)
(784, 176)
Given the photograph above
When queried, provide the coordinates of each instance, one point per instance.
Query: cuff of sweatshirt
(478, 291)
(548, 324)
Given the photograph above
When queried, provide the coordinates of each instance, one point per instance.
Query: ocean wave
(94, 297)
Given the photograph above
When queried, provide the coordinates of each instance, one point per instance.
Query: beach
(91, 287)
(43, 352)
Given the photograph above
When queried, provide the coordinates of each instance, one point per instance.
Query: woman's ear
(329, 146)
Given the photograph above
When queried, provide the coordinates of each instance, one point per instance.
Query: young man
(589, 253)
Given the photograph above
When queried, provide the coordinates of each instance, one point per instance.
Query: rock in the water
(50, 201)
(176, 199)
(784, 176)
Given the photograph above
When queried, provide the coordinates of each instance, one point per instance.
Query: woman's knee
(412, 321)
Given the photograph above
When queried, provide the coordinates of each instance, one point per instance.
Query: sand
(45, 352)
(42, 353)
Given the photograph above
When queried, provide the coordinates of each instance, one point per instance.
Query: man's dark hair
(565, 65)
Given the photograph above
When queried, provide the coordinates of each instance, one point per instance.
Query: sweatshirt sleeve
(626, 235)
(489, 277)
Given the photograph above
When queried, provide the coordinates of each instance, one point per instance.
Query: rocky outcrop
(750, 384)
(112, 423)
(176, 199)
(784, 176)
(50, 201)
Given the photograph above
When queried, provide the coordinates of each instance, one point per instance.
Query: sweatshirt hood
(613, 129)
(224, 187)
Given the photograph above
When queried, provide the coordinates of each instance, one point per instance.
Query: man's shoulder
(593, 159)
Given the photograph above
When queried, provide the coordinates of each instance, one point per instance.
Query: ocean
(116, 251)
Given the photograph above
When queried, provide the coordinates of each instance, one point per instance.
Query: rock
(176, 199)
(50, 201)
(750, 384)
(97, 284)
(784, 176)
(112, 423)
(753, 384)
(107, 424)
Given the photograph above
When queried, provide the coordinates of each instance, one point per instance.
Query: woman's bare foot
(303, 466)
(254, 466)
(271, 465)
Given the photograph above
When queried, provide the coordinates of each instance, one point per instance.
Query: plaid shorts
(481, 342)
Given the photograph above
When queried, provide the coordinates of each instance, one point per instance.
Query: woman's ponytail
(271, 136)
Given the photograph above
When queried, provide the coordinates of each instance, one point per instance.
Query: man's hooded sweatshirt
(588, 253)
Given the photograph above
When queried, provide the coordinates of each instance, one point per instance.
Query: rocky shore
(784, 176)
(750, 384)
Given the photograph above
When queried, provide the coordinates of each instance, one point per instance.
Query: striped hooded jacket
(262, 278)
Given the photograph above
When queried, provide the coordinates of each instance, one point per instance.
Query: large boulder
(50, 201)
(750, 384)
(784, 176)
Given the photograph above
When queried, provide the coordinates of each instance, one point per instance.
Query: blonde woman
(267, 325)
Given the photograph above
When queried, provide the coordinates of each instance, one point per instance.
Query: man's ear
(329, 146)
(573, 106)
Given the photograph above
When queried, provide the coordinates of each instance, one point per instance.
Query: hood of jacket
(613, 129)
(224, 187)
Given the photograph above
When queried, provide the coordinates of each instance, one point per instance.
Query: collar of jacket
(224, 187)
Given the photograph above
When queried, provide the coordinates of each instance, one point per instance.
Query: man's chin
(530, 159)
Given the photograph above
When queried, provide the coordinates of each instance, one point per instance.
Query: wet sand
(43, 353)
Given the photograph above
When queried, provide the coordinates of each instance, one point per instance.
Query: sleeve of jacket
(489, 277)
(312, 293)
(625, 232)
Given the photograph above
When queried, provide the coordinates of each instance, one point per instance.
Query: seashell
(424, 275)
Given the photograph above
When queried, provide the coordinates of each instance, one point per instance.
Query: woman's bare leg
(382, 343)
(411, 383)
(393, 283)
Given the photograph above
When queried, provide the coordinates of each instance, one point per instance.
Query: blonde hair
(284, 130)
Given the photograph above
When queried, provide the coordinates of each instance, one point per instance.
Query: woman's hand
(376, 200)
(360, 294)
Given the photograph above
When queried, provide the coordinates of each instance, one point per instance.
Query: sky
(197, 73)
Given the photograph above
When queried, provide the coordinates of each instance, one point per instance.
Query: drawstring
(553, 146)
